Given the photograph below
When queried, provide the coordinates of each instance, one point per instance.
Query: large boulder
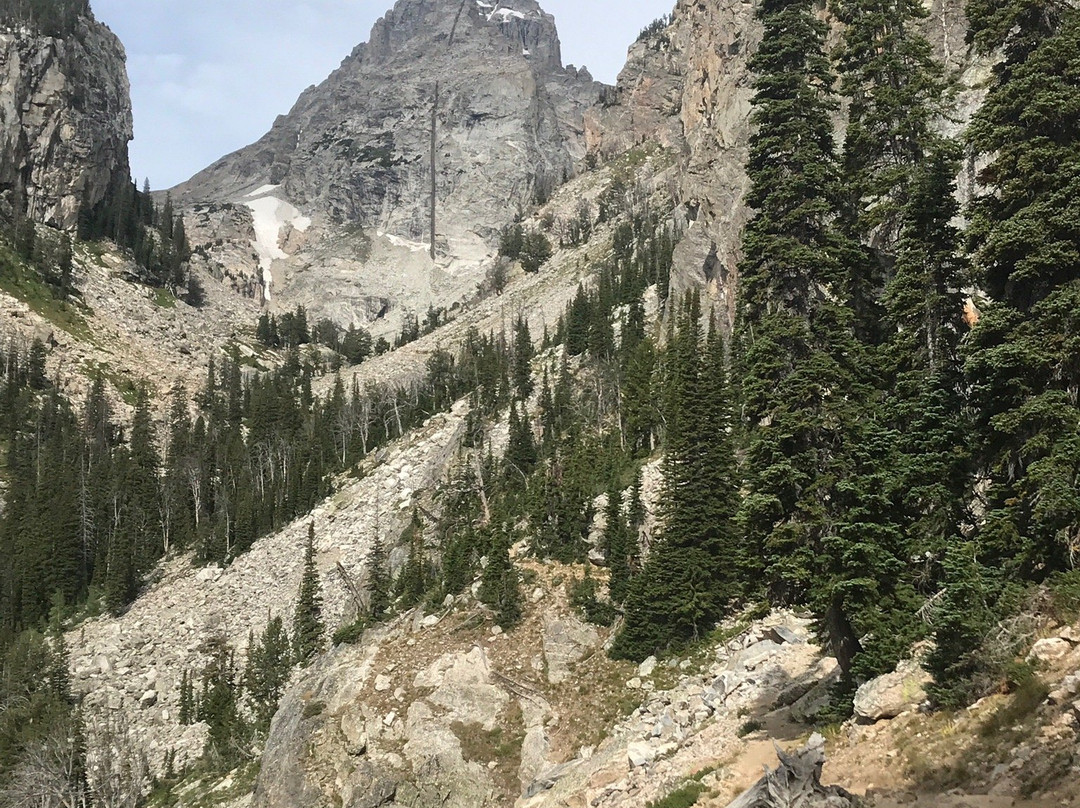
(566, 641)
(889, 695)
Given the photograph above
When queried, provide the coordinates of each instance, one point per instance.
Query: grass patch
(501, 746)
(202, 787)
(1031, 691)
(313, 709)
(127, 387)
(682, 797)
(164, 299)
(351, 633)
(750, 727)
(949, 752)
(599, 687)
(23, 283)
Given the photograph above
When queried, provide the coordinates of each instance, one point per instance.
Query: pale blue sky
(210, 76)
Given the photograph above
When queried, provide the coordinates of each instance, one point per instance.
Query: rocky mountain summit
(333, 202)
(65, 119)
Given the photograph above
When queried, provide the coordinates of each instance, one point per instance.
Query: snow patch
(269, 214)
(263, 191)
(398, 241)
(505, 14)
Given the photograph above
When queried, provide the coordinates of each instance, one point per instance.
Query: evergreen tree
(894, 87)
(521, 448)
(267, 672)
(804, 376)
(307, 635)
(616, 544)
(219, 704)
(500, 588)
(1025, 238)
(378, 575)
(962, 618)
(693, 572)
(523, 354)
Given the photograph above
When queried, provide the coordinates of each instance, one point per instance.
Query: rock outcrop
(65, 120)
(688, 90)
(335, 198)
(891, 694)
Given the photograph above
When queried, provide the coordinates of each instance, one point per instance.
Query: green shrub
(313, 709)
(351, 633)
(749, 727)
(682, 797)
(583, 597)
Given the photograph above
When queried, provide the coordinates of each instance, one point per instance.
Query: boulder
(640, 754)
(148, 699)
(1050, 649)
(566, 641)
(783, 634)
(749, 658)
(1070, 634)
(646, 668)
(889, 695)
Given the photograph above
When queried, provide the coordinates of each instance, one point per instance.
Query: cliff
(65, 119)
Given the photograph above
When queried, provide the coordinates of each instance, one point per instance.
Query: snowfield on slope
(269, 215)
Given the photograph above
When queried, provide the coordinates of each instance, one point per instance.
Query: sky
(209, 76)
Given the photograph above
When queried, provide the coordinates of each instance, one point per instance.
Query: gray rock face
(689, 91)
(65, 120)
(889, 695)
(354, 152)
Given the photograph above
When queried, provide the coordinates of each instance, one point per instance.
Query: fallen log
(796, 783)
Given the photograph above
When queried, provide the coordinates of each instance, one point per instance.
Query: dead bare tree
(51, 774)
(796, 783)
(119, 771)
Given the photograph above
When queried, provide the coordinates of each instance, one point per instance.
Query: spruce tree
(616, 544)
(267, 671)
(894, 87)
(804, 375)
(695, 566)
(307, 635)
(378, 575)
(523, 354)
(500, 588)
(520, 455)
(1025, 241)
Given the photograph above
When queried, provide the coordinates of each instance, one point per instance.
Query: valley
(485, 435)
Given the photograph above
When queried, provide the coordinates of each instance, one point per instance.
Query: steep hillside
(583, 540)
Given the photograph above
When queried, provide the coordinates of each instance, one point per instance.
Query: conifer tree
(962, 618)
(803, 372)
(500, 588)
(521, 448)
(616, 544)
(307, 636)
(523, 354)
(378, 576)
(267, 671)
(1025, 239)
(694, 570)
(219, 703)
